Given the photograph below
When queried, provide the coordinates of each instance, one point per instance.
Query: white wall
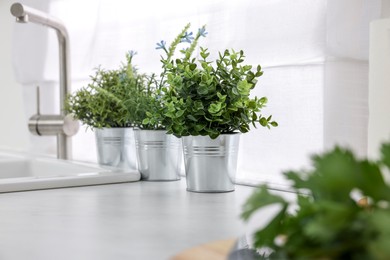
(379, 82)
(13, 126)
(379, 86)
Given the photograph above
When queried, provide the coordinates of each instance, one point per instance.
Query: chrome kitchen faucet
(62, 125)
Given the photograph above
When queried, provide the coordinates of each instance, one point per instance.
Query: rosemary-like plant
(101, 103)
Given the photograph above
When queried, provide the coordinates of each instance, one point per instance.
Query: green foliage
(145, 106)
(201, 97)
(93, 105)
(108, 99)
(150, 112)
(330, 223)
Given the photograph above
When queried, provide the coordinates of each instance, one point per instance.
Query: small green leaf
(215, 107)
(263, 100)
(202, 90)
(192, 66)
(179, 113)
(244, 87)
(204, 55)
(247, 67)
(199, 128)
(263, 121)
(191, 117)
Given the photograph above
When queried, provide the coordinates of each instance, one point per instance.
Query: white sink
(22, 172)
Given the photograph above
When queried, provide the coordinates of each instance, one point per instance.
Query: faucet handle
(38, 101)
(52, 124)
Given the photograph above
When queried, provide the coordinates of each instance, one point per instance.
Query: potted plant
(208, 104)
(342, 210)
(159, 154)
(100, 107)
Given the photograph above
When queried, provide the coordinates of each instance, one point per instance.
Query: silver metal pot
(211, 165)
(116, 147)
(159, 155)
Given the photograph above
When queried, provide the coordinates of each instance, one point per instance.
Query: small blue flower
(132, 53)
(187, 37)
(161, 45)
(202, 32)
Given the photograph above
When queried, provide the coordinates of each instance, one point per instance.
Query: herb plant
(144, 102)
(101, 103)
(201, 97)
(332, 222)
(151, 101)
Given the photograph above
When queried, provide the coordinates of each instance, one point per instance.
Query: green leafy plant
(151, 110)
(102, 102)
(144, 106)
(345, 213)
(201, 97)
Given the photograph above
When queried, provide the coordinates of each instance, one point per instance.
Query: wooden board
(217, 250)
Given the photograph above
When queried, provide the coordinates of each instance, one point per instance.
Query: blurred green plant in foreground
(343, 210)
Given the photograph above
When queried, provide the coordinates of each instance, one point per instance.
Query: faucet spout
(26, 14)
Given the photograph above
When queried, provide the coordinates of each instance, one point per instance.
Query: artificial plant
(202, 97)
(102, 102)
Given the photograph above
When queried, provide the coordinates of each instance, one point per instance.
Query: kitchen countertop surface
(138, 220)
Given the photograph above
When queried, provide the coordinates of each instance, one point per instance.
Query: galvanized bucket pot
(211, 165)
(159, 155)
(116, 147)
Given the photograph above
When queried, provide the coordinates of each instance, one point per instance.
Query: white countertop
(139, 220)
